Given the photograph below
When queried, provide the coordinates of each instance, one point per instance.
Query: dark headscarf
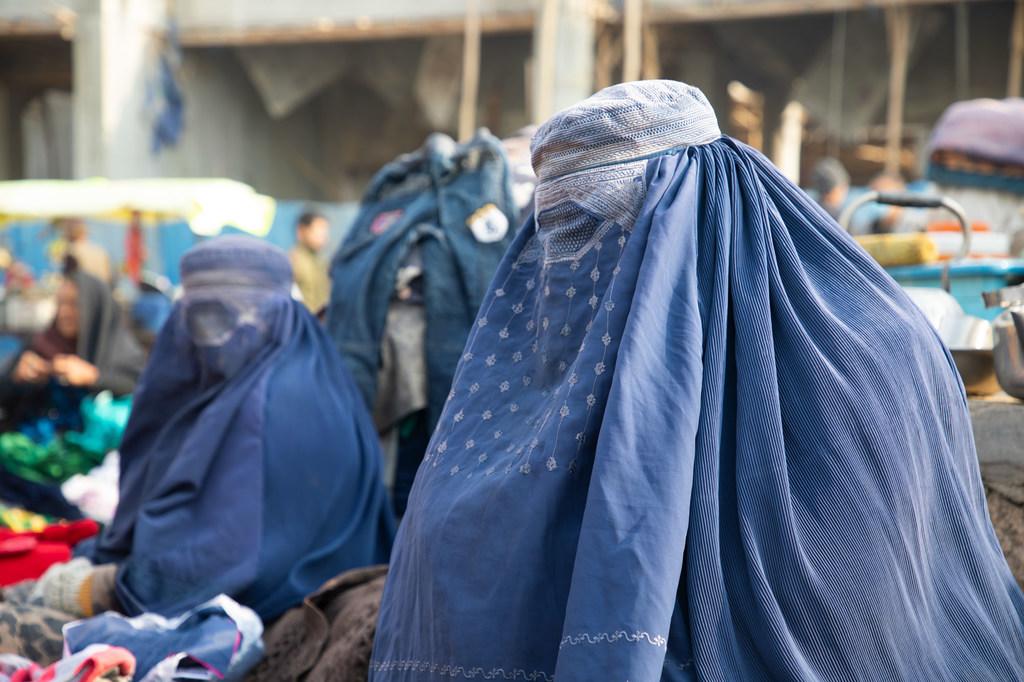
(103, 337)
(250, 466)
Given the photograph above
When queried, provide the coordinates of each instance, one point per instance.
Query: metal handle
(1005, 297)
(913, 201)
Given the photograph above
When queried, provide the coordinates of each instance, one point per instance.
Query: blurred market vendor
(831, 184)
(91, 257)
(250, 466)
(88, 348)
(311, 234)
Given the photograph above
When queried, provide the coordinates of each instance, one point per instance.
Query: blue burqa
(249, 466)
(696, 434)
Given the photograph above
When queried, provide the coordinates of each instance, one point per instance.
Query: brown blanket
(329, 637)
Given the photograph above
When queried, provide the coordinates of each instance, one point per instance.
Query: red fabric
(96, 665)
(26, 556)
(69, 533)
(134, 250)
(29, 565)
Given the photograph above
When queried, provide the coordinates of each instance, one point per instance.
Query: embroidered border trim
(612, 637)
(454, 671)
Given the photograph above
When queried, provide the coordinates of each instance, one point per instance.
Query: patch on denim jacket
(488, 224)
(382, 221)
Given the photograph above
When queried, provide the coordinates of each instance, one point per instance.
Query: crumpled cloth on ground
(25, 556)
(96, 493)
(93, 664)
(219, 640)
(329, 638)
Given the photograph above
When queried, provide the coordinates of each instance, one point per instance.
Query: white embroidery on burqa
(579, 228)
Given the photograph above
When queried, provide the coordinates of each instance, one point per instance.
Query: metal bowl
(969, 338)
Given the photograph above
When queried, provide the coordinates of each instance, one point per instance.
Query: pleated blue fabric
(696, 434)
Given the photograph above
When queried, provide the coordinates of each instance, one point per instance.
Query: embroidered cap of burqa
(697, 434)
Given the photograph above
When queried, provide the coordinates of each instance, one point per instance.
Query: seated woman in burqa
(250, 466)
(88, 348)
(696, 434)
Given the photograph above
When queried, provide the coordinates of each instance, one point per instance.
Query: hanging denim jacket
(455, 203)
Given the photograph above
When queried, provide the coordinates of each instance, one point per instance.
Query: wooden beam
(898, 25)
(1013, 81)
(672, 11)
(470, 71)
(632, 39)
(200, 36)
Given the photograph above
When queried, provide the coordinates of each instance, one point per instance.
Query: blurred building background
(305, 99)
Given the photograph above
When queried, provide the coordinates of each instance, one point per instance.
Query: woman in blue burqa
(696, 434)
(249, 466)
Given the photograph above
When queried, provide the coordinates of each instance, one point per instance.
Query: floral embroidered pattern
(612, 637)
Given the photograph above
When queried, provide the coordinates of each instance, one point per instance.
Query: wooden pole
(898, 23)
(604, 59)
(963, 65)
(837, 78)
(544, 60)
(470, 71)
(632, 39)
(652, 58)
(1013, 85)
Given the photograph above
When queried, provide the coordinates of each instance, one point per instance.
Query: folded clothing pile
(218, 640)
(980, 143)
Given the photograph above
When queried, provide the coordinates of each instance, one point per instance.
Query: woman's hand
(31, 369)
(75, 371)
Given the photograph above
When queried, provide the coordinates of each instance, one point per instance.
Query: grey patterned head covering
(623, 123)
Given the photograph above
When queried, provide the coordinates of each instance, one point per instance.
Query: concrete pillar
(115, 41)
(564, 46)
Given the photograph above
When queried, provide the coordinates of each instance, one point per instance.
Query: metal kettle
(1008, 333)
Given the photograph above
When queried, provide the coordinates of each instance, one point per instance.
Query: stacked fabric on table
(976, 156)
(408, 280)
(980, 142)
(36, 460)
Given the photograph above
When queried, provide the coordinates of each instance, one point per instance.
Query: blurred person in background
(91, 257)
(88, 348)
(831, 183)
(311, 234)
(876, 218)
